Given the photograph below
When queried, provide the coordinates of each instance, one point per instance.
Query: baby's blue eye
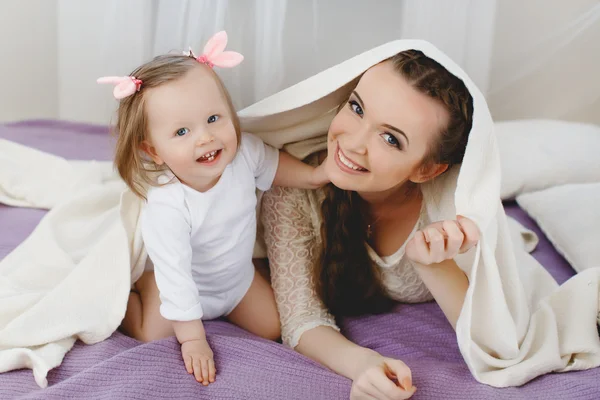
(213, 118)
(182, 131)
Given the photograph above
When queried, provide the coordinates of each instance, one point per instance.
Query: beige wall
(28, 59)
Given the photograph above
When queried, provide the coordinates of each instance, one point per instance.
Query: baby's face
(191, 128)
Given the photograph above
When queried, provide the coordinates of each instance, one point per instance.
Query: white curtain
(286, 41)
(546, 60)
(98, 38)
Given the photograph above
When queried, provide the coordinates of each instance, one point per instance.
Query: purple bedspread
(249, 367)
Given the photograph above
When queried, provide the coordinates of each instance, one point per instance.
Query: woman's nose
(356, 141)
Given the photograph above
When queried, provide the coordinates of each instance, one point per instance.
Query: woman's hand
(442, 241)
(382, 378)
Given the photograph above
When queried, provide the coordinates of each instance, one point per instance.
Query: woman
(366, 240)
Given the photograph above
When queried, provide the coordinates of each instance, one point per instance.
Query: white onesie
(201, 244)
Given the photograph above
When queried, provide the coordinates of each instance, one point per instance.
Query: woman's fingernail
(406, 383)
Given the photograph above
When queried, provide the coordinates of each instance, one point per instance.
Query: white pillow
(569, 215)
(538, 154)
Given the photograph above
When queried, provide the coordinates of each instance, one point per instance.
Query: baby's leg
(142, 319)
(257, 312)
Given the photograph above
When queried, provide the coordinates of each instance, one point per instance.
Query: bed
(250, 367)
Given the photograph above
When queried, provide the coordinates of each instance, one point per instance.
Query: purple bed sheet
(249, 367)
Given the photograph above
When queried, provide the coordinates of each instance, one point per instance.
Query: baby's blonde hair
(132, 122)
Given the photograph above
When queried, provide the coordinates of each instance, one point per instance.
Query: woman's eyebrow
(362, 103)
(388, 126)
(393, 128)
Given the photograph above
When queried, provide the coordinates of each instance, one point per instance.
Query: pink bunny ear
(112, 79)
(215, 45)
(228, 59)
(124, 89)
(125, 85)
(214, 55)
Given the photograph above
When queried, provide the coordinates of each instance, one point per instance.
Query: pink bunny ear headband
(212, 55)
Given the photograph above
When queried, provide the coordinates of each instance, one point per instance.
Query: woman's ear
(424, 174)
(151, 151)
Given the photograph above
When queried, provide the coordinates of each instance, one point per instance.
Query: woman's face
(378, 140)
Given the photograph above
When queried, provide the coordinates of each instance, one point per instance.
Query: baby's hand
(198, 358)
(442, 241)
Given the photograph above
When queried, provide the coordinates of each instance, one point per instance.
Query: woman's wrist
(433, 267)
(330, 348)
(361, 359)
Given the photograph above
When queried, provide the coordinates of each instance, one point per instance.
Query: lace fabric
(291, 221)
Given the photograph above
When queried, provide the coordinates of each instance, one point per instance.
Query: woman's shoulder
(301, 207)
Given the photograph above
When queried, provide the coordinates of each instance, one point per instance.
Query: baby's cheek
(228, 131)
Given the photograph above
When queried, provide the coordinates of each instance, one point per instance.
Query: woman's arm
(448, 285)
(290, 238)
(433, 250)
(330, 348)
(373, 376)
(305, 323)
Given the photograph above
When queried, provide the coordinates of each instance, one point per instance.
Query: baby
(179, 135)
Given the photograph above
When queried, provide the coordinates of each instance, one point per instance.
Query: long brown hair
(132, 122)
(345, 278)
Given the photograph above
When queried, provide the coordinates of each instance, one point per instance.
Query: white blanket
(71, 278)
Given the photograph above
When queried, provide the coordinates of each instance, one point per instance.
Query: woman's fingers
(442, 240)
(471, 233)
(399, 372)
(417, 248)
(437, 244)
(455, 238)
(382, 386)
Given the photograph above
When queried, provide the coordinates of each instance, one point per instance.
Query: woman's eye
(213, 118)
(356, 107)
(182, 131)
(390, 140)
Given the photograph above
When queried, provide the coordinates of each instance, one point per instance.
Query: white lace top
(292, 221)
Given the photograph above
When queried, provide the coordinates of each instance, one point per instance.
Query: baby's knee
(150, 335)
(145, 282)
(271, 330)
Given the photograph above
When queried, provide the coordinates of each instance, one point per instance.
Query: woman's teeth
(349, 163)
